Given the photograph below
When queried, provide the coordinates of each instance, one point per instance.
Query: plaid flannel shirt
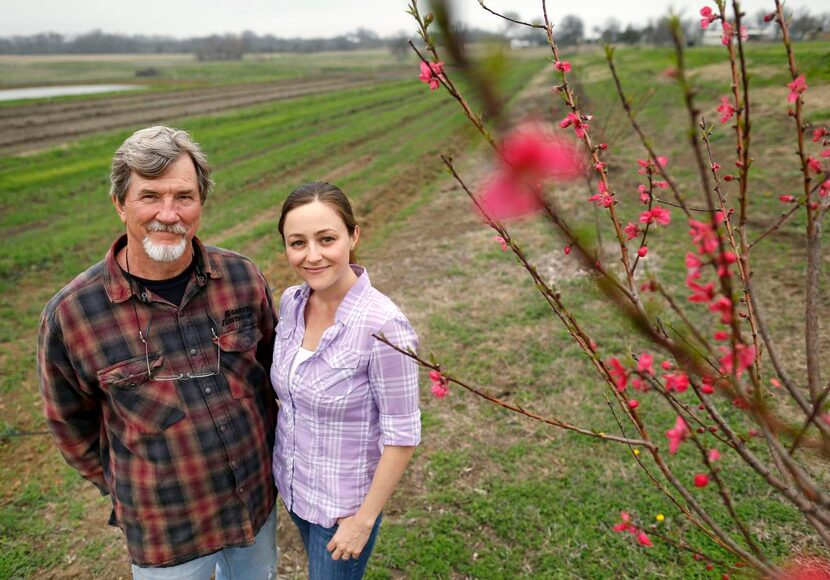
(351, 397)
(187, 462)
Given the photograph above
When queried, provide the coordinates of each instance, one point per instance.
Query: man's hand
(349, 539)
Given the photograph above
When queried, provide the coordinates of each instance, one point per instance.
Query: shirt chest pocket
(147, 406)
(242, 369)
(340, 372)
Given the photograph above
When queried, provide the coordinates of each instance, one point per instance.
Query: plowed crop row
(30, 127)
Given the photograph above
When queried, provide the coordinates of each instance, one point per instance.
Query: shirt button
(223, 428)
(192, 351)
(240, 490)
(234, 464)
(208, 391)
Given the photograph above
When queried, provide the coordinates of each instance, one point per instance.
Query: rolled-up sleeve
(393, 380)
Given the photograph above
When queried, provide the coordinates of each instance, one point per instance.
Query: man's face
(162, 214)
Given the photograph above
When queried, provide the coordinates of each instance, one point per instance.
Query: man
(153, 369)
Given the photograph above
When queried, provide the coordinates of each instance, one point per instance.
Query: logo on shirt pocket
(148, 406)
(243, 371)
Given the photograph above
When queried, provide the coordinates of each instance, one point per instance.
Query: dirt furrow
(143, 100)
(30, 138)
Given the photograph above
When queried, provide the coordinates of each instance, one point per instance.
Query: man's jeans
(256, 562)
(321, 566)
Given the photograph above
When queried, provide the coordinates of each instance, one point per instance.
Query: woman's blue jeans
(321, 566)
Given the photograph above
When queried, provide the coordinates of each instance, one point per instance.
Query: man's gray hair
(149, 152)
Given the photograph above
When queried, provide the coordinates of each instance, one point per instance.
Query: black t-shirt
(171, 289)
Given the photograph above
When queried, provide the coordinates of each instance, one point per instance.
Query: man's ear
(120, 209)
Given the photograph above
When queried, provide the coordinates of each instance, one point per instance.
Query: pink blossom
(814, 164)
(644, 362)
(602, 199)
(715, 167)
(745, 359)
(724, 261)
(503, 198)
(573, 119)
(644, 540)
(618, 373)
(798, 86)
(666, 365)
(825, 188)
(744, 32)
(500, 240)
(692, 261)
(714, 455)
(825, 153)
(440, 384)
(567, 250)
(786, 198)
(625, 523)
(431, 74)
(724, 306)
(633, 404)
(529, 155)
(562, 65)
(631, 231)
(645, 196)
(818, 134)
(701, 480)
(704, 236)
(707, 17)
(661, 184)
(725, 109)
(600, 166)
(728, 31)
(440, 390)
(677, 435)
(775, 383)
(701, 293)
(678, 382)
(642, 251)
(707, 389)
(721, 335)
(537, 154)
(769, 17)
(662, 160)
(656, 214)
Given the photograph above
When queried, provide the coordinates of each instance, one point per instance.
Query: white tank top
(302, 355)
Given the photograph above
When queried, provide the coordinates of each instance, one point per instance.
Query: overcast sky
(315, 18)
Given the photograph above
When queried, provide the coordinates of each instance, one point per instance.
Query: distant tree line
(570, 30)
(214, 47)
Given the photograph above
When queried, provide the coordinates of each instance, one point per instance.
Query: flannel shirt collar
(119, 288)
(350, 301)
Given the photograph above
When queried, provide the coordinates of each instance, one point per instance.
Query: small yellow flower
(660, 517)
(636, 452)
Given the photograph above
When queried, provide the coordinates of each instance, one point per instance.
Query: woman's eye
(328, 239)
(296, 244)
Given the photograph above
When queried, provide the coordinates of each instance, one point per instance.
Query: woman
(349, 419)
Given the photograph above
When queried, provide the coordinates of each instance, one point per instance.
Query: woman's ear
(355, 236)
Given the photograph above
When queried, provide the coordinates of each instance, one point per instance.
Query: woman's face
(317, 245)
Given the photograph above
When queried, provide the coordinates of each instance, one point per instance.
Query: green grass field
(489, 494)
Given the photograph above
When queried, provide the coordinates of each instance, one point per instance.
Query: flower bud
(428, 18)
